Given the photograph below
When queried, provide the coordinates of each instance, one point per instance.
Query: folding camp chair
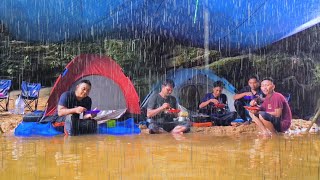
(5, 85)
(30, 94)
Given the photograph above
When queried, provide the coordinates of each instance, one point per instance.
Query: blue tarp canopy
(224, 24)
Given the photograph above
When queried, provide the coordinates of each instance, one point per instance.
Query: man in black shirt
(72, 104)
(215, 105)
(245, 95)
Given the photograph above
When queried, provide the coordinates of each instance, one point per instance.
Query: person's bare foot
(235, 124)
(142, 126)
(265, 134)
(155, 131)
(145, 131)
(162, 131)
(246, 123)
(178, 136)
(179, 130)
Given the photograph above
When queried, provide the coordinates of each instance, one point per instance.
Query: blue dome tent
(231, 25)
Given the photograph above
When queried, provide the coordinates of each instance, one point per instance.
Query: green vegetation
(146, 60)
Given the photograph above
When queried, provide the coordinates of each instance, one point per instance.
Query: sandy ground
(8, 120)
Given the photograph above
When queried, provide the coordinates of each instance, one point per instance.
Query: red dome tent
(111, 89)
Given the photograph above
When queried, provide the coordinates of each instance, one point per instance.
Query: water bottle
(81, 115)
(16, 106)
(19, 106)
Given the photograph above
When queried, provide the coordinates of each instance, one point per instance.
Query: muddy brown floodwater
(192, 156)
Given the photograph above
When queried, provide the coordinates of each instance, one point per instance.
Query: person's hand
(247, 93)
(94, 115)
(253, 102)
(80, 109)
(88, 116)
(165, 106)
(254, 111)
(214, 101)
(252, 115)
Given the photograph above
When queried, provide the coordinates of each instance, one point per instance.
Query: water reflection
(160, 157)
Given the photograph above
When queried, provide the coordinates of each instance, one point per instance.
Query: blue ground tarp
(237, 24)
(27, 129)
(126, 127)
(35, 129)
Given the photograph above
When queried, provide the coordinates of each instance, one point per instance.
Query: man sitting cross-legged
(275, 113)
